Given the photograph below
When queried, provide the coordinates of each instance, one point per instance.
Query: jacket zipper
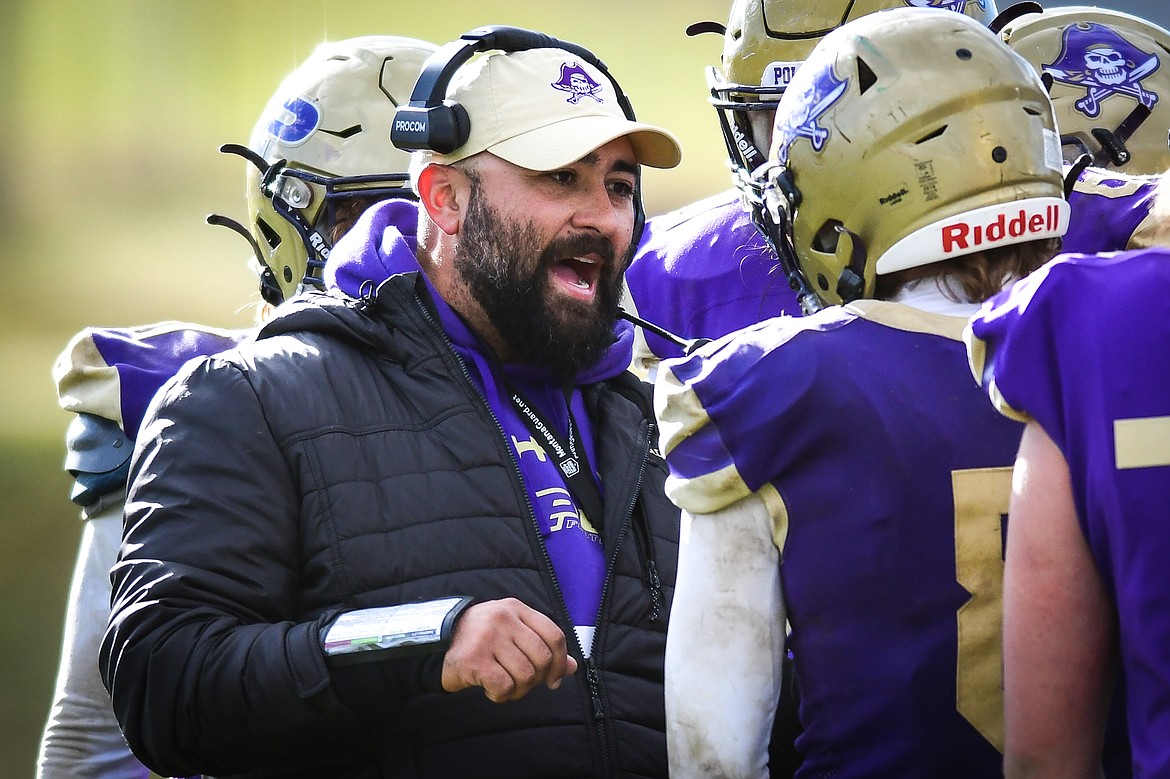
(592, 676)
(564, 609)
(646, 552)
(643, 539)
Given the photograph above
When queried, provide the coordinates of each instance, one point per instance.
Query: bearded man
(420, 530)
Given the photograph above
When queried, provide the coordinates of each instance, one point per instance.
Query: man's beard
(508, 276)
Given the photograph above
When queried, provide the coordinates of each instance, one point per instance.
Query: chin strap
(777, 233)
(269, 290)
(851, 282)
(226, 221)
(1074, 173)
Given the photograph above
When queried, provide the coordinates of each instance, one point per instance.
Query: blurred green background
(112, 114)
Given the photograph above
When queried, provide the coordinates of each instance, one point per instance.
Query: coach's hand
(506, 648)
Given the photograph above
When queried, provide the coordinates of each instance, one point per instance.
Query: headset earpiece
(442, 128)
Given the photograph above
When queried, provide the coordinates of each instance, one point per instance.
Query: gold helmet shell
(763, 44)
(1109, 78)
(908, 137)
(326, 135)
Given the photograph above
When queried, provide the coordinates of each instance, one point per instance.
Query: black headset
(431, 122)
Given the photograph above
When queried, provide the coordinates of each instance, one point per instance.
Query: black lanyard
(571, 459)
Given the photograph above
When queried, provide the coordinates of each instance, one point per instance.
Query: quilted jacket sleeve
(207, 668)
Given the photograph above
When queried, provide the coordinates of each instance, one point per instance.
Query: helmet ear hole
(270, 236)
(827, 237)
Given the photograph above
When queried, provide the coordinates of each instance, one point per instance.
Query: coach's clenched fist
(507, 649)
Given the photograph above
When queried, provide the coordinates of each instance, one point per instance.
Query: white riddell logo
(319, 244)
(745, 147)
(964, 235)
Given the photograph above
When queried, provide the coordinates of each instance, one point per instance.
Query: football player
(840, 469)
(1080, 351)
(318, 156)
(704, 270)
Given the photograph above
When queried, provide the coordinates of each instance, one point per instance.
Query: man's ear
(444, 191)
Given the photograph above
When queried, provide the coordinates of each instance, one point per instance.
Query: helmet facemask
(296, 218)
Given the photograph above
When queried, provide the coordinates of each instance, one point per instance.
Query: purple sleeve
(748, 392)
(146, 358)
(1107, 210)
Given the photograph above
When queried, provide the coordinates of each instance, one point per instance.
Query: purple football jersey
(703, 271)
(142, 359)
(1110, 212)
(894, 475)
(1083, 347)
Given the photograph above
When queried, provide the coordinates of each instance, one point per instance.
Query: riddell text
(964, 235)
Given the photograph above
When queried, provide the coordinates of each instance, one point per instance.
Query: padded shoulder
(114, 372)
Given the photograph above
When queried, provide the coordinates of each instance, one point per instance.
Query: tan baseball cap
(542, 109)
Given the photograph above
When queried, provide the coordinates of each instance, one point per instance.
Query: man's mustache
(577, 246)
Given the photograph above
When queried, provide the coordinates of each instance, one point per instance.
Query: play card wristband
(390, 632)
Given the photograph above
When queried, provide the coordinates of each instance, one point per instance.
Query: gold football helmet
(322, 140)
(907, 137)
(1109, 80)
(763, 43)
